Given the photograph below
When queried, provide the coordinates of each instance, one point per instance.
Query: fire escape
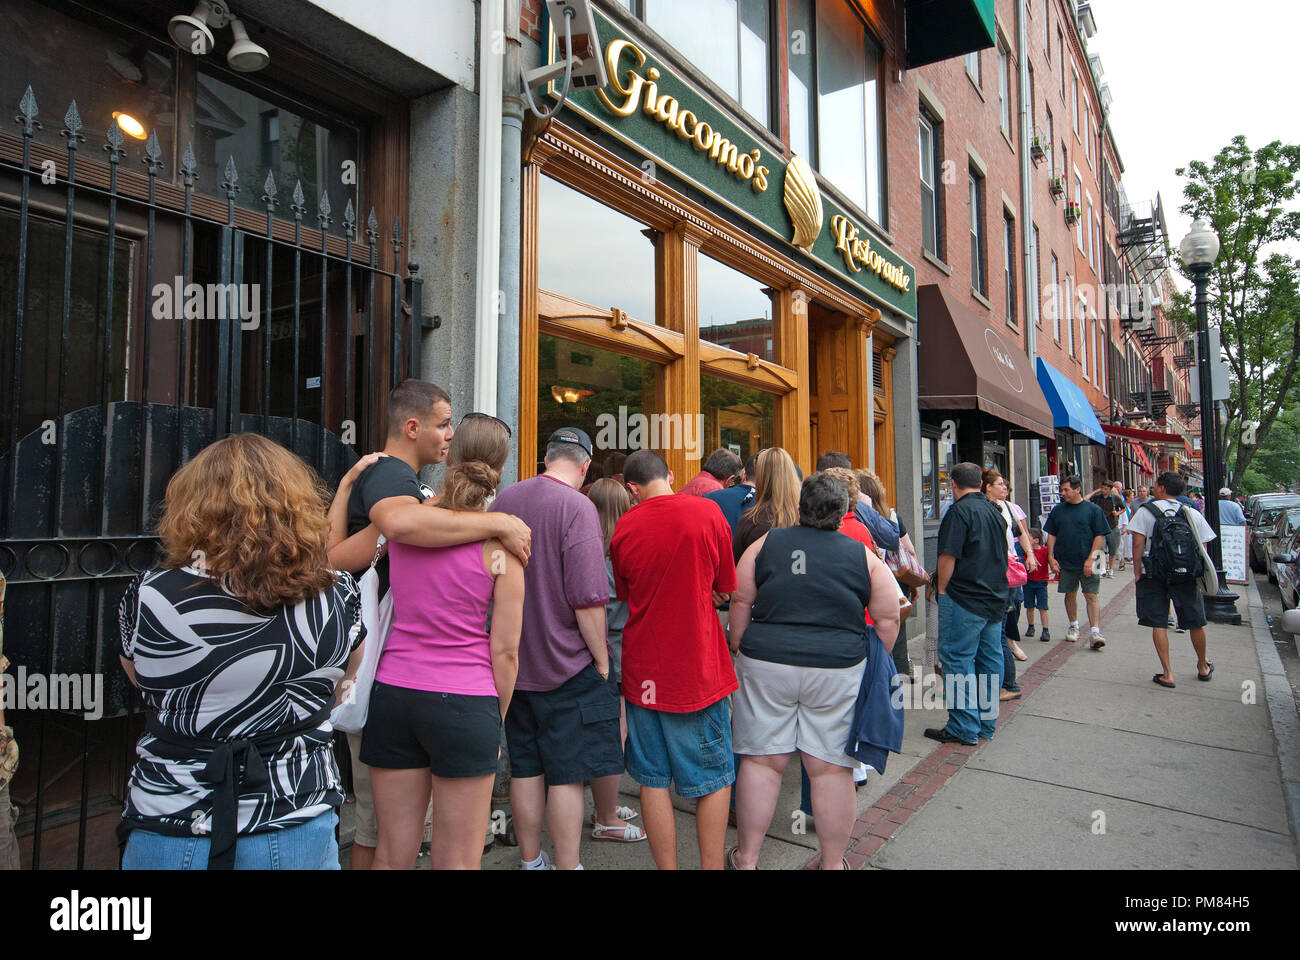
(1143, 243)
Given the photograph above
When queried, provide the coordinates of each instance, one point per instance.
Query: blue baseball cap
(571, 435)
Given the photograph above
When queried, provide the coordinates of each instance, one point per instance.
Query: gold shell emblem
(803, 202)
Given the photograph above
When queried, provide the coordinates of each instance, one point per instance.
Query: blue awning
(1070, 408)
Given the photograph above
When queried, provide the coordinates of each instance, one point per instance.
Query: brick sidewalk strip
(913, 791)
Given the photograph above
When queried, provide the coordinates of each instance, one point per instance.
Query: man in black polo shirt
(1075, 530)
(973, 589)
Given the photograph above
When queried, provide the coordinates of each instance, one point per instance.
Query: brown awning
(966, 364)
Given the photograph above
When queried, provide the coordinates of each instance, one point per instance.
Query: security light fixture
(245, 56)
(129, 125)
(193, 32)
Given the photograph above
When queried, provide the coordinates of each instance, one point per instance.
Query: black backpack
(1175, 550)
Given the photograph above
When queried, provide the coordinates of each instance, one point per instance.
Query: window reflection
(734, 310)
(587, 251)
(64, 59)
(263, 136)
(610, 396)
(726, 40)
(735, 417)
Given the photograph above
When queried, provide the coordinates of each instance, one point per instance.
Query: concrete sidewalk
(1099, 767)
(1095, 766)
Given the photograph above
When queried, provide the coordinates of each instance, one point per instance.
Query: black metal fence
(126, 346)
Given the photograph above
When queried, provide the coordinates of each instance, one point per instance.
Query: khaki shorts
(780, 709)
(367, 834)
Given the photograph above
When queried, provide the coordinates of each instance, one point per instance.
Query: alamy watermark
(76, 692)
(208, 301)
(656, 431)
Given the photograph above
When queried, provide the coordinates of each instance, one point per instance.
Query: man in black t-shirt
(1075, 532)
(383, 494)
(972, 584)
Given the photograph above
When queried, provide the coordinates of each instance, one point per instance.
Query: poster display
(1234, 553)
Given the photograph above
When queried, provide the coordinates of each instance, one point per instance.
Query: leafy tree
(1278, 458)
(1253, 294)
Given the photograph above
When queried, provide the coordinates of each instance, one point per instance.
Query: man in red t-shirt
(670, 555)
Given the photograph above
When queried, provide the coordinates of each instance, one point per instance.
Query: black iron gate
(132, 334)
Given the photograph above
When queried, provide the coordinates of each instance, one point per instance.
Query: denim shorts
(1036, 595)
(308, 846)
(690, 751)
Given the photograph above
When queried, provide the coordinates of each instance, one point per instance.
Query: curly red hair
(254, 516)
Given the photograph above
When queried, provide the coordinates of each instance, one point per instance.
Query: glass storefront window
(736, 418)
(587, 251)
(64, 59)
(264, 136)
(610, 396)
(726, 40)
(734, 310)
(938, 457)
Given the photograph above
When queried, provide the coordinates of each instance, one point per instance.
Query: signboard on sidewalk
(1234, 552)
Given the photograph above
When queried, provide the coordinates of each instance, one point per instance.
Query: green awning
(943, 29)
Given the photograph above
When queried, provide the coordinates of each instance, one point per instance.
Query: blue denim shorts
(1036, 595)
(690, 751)
(308, 846)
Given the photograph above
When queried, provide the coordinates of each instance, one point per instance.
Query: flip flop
(1163, 683)
(1206, 676)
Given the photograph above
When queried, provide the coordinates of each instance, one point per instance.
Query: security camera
(584, 45)
(578, 55)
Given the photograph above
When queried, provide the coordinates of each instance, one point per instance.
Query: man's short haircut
(644, 466)
(1172, 482)
(751, 466)
(413, 398)
(967, 475)
(722, 463)
(833, 458)
(563, 450)
(823, 502)
(1073, 480)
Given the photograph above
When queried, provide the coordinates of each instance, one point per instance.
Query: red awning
(1145, 436)
(1142, 458)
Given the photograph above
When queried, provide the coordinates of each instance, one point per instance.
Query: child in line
(1036, 587)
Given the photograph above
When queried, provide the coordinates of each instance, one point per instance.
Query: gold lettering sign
(638, 90)
(859, 255)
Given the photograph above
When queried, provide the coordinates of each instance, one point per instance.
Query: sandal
(1159, 678)
(731, 859)
(624, 834)
(1206, 676)
(623, 813)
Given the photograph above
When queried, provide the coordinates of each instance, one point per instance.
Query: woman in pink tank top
(447, 673)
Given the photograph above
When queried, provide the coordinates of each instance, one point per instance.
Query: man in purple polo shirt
(562, 728)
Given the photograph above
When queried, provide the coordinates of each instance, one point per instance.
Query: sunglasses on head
(486, 416)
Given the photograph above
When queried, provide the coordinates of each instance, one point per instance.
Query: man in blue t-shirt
(1075, 532)
(735, 500)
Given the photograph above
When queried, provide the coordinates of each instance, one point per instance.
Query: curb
(882, 820)
(1281, 703)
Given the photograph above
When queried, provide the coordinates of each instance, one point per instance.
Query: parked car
(1286, 564)
(1260, 520)
(1268, 526)
(1284, 531)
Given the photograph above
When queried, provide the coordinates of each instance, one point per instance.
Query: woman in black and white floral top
(237, 646)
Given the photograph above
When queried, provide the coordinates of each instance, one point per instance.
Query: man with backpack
(1167, 564)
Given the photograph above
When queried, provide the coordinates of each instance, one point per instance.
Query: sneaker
(1029, 631)
(1072, 635)
(544, 865)
(1098, 641)
(1046, 635)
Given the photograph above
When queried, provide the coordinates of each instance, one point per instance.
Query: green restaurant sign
(662, 116)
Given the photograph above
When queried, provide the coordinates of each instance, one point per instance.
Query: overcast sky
(1187, 76)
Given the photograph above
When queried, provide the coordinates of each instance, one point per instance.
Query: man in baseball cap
(1230, 512)
(562, 728)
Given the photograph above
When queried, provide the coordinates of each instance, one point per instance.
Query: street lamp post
(1199, 250)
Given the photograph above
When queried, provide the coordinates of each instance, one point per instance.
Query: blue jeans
(309, 846)
(970, 652)
(1011, 631)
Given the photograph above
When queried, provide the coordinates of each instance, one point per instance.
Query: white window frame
(926, 125)
(1069, 311)
(1004, 87)
(973, 67)
(1056, 298)
(1074, 99)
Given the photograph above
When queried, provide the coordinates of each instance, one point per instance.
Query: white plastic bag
(377, 615)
